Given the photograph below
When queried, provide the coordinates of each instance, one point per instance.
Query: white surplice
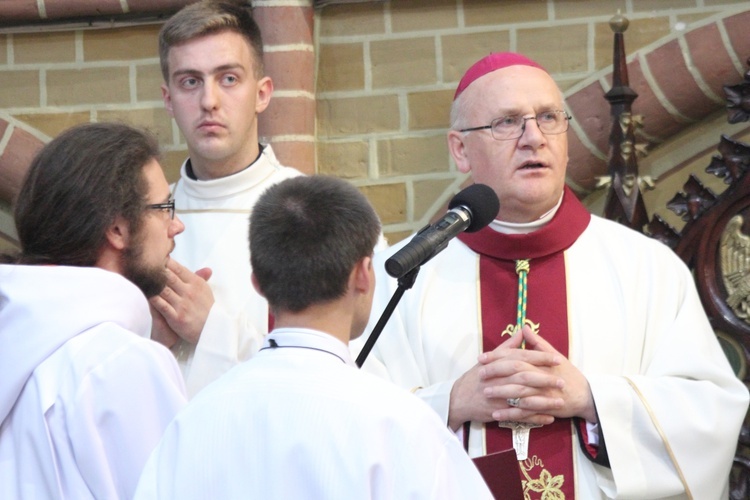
(216, 217)
(84, 394)
(300, 421)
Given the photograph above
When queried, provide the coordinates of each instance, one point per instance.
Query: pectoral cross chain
(521, 430)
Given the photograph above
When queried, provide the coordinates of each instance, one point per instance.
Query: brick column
(289, 121)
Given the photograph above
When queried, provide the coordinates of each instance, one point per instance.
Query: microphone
(470, 210)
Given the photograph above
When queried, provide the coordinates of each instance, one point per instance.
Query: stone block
(507, 12)
(51, 124)
(560, 49)
(155, 120)
(572, 9)
(403, 62)
(393, 237)
(656, 5)
(19, 88)
(421, 15)
(44, 47)
(341, 66)
(389, 201)
(461, 51)
(429, 110)
(121, 44)
(427, 193)
(413, 155)
(709, 3)
(357, 115)
(365, 18)
(70, 87)
(171, 162)
(348, 160)
(148, 80)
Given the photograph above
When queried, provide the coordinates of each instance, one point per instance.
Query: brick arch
(18, 146)
(679, 82)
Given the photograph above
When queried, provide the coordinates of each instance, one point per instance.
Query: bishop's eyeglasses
(512, 126)
(164, 207)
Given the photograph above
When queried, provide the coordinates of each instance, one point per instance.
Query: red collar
(560, 233)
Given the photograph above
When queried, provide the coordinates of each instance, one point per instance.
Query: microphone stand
(405, 282)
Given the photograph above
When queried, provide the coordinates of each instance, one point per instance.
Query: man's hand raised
(183, 305)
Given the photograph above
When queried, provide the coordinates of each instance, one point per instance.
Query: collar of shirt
(305, 338)
(249, 178)
(190, 174)
(526, 227)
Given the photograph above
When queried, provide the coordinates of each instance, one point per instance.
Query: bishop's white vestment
(669, 405)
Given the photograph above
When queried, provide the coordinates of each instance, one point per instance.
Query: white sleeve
(676, 422)
(120, 412)
(225, 342)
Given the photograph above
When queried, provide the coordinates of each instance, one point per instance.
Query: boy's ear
(256, 285)
(363, 279)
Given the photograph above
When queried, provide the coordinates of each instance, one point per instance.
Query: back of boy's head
(306, 236)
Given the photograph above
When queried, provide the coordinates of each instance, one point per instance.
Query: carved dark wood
(738, 99)
(715, 240)
(624, 200)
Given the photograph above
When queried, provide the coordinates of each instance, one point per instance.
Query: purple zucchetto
(490, 63)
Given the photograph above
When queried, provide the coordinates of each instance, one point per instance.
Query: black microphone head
(482, 201)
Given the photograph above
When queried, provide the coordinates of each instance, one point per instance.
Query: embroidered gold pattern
(511, 329)
(547, 486)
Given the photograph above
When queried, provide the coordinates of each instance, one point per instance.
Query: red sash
(549, 468)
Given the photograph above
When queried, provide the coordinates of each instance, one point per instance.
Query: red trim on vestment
(546, 306)
(562, 231)
(593, 450)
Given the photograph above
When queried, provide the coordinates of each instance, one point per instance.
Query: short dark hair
(75, 188)
(306, 236)
(209, 17)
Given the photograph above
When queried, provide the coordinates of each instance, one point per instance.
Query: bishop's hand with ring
(484, 393)
(537, 380)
